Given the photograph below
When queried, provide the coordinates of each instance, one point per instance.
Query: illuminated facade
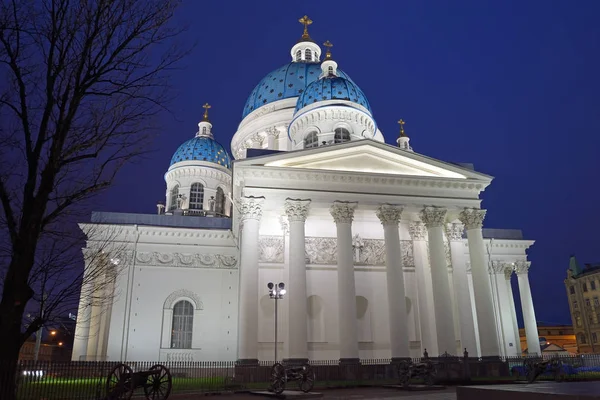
(382, 249)
(583, 292)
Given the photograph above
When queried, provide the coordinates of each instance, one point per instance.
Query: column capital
(296, 209)
(389, 214)
(417, 230)
(522, 267)
(433, 217)
(496, 267)
(509, 269)
(272, 131)
(251, 207)
(454, 231)
(343, 211)
(472, 218)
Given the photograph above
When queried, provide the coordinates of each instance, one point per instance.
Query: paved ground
(351, 394)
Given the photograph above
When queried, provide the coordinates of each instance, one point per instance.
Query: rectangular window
(593, 285)
(584, 286)
(596, 302)
(572, 289)
(575, 305)
(560, 333)
(594, 337)
(588, 303)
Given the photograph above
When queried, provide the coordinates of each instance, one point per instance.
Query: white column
(531, 332)
(250, 214)
(508, 272)
(468, 339)
(297, 211)
(343, 214)
(482, 290)
(427, 322)
(389, 215)
(84, 314)
(271, 136)
(496, 271)
(434, 218)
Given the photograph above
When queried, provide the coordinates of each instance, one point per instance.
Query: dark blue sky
(511, 86)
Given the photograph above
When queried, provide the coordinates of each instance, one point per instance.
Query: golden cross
(306, 22)
(329, 45)
(206, 106)
(401, 122)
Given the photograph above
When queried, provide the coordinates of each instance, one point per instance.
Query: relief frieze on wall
(186, 260)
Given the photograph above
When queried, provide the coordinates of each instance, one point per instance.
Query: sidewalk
(349, 393)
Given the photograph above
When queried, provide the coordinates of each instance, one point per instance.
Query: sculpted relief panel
(323, 251)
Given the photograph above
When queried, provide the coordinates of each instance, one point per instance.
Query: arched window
(196, 196)
(308, 55)
(173, 197)
(582, 339)
(330, 70)
(220, 202)
(204, 130)
(299, 55)
(183, 319)
(311, 140)
(341, 135)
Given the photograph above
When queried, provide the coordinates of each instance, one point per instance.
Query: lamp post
(276, 293)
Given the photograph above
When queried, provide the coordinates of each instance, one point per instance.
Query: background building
(583, 292)
(554, 338)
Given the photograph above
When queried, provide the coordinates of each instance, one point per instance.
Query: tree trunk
(9, 356)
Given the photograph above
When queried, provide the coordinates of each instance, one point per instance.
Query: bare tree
(82, 81)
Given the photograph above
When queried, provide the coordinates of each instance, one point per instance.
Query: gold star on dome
(206, 106)
(401, 122)
(306, 22)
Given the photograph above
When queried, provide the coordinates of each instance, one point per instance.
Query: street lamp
(276, 293)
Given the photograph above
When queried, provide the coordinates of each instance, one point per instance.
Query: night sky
(510, 86)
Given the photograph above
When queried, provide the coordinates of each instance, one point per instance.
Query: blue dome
(334, 88)
(288, 81)
(202, 148)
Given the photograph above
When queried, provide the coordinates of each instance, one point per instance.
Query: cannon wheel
(404, 374)
(278, 378)
(158, 385)
(307, 378)
(119, 384)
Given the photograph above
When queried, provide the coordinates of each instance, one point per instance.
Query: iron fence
(87, 379)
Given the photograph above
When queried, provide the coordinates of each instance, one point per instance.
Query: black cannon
(280, 375)
(122, 382)
(535, 367)
(408, 370)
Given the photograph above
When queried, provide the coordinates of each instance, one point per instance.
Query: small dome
(202, 148)
(332, 88)
(286, 82)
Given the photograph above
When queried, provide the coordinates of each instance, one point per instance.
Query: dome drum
(332, 124)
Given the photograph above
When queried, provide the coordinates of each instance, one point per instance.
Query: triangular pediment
(366, 156)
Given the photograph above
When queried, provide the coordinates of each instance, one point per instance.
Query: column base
(349, 361)
(295, 361)
(247, 362)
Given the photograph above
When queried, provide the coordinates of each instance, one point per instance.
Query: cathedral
(381, 250)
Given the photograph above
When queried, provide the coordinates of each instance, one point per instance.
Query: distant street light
(276, 293)
(53, 333)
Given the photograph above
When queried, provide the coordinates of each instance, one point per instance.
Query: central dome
(285, 82)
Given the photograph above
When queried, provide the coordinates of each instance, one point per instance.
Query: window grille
(299, 55)
(196, 196)
(341, 135)
(311, 140)
(308, 55)
(173, 198)
(183, 319)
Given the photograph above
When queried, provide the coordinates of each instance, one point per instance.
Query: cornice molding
(181, 260)
(199, 171)
(339, 177)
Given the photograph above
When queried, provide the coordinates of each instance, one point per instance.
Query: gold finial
(329, 45)
(401, 122)
(206, 106)
(306, 22)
